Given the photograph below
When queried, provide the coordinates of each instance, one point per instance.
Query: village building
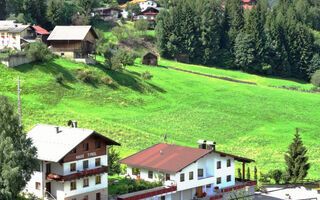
(73, 42)
(73, 163)
(108, 13)
(149, 14)
(247, 4)
(187, 173)
(144, 4)
(41, 33)
(13, 35)
(150, 59)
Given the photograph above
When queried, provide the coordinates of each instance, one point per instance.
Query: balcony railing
(78, 175)
(147, 193)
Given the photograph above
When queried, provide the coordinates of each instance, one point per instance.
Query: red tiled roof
(165, 157)
(41, 30)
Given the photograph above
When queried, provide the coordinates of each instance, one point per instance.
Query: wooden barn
(150, 59)
(73, 42)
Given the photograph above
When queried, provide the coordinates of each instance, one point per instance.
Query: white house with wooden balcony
(73, 163)
(187, 173)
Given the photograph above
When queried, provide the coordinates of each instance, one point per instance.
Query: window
(98, 144)
(136, 171)
(200, 172)
(73, 167)
(37, 186)
(85, 182)
(190, 175)
(73, 185)
(74, 150)
(74, 199)
(219, 165)
(62, 54)
(150, 174)
(218, 180)
(163, 198)
(48, 168)
(167, 177)
(182, 177)
(208, 186)
(85, 164)
(98, 162)
(85, 146)
(98, 179)
(228, 163)
(228, 178)
(86, 197)
(38, 169)
(98, 196)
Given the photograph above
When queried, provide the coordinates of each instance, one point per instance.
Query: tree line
(275, 40)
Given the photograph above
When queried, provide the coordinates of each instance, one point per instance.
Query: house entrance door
(48, 187)
(199, 191)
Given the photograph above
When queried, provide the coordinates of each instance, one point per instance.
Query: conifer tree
(17, 155)
(296, 160)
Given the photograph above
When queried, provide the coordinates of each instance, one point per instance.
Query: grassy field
(252, 121)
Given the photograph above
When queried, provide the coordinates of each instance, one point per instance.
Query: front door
(48, 187)
(199, 192)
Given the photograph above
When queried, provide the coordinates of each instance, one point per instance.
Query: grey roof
(12, 27)
(53, 146)
(69, 32)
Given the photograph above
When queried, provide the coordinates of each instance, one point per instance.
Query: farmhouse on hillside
(13, 35)
(73, 42)
(188, 173)
(144, 4)
(108, 13)
(150, 59)
(73, 163)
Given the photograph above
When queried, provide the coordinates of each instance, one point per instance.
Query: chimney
(74, 124)
(211, 145)
(202, 144)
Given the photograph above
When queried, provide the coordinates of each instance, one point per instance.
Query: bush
(146, 75)
(59, 78)
(276, 175)
(141, 25)
(86, 76)
(39, 51)
(285, 177)
(106, 80)
(265, 178)
(121, 59)
(315, 79)
(122, 20)
(118, 32)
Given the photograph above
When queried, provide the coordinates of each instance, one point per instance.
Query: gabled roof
(53, 146)
(40, 30)
(165, 157)
(12, 27)
(171, 158)
(70, 32)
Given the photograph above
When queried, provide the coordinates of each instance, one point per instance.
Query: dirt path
(213, 76)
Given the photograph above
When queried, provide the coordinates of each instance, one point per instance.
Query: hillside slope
(253, 121)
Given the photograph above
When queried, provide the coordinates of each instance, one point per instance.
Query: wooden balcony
(78, 175)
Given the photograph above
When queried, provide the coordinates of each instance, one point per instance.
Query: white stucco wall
(31, 185)
(9, 41)
(79, 164)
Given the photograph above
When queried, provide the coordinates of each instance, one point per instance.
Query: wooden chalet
(73, 42)
(148, 14)
(108, 13)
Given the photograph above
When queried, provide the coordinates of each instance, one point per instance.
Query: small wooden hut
(150, 59)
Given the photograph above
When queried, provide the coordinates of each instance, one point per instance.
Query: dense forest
(275, 40)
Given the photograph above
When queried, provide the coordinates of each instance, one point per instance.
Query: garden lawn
(257, 122)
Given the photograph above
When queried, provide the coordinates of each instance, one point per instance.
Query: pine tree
(113, 161)
(296, 160)
(17, 155)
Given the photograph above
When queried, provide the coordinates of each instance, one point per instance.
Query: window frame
(229, 176)
(218, 181)
(218, 164)
(73, 185)
(86, 146)
(150, 174)
(191, 175)
(229, 163)
(182, 177)
(38, 185)
(98, 144)
(200, 172)
(86, 182)
(73, 169)
(85, 166)
(98, 179)
(99, 163)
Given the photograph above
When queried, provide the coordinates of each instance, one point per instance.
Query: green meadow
(257, 122)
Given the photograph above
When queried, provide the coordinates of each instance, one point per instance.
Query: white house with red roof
(187, 173)
(73, 163)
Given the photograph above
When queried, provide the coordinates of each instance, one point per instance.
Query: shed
(150, 59)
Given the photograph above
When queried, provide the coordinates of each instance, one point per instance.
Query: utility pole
(19, 100)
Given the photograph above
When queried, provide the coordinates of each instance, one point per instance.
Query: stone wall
(16, 60)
